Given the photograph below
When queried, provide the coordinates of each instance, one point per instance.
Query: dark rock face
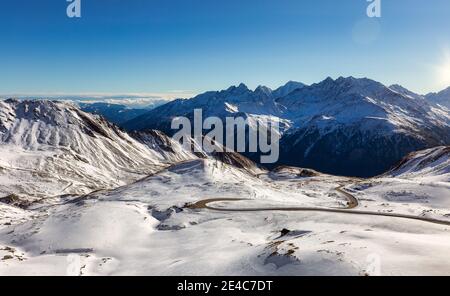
(358, 154)
(235, 159)
(154, 138)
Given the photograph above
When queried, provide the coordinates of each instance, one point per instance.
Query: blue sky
(171, 46)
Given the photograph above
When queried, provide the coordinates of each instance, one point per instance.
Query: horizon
(142, 47)
(142, 99)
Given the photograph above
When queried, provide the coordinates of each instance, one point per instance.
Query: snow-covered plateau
(79, 196)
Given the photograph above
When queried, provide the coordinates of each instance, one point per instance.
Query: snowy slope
(442, 98)
(157, 227)
(51, 148)
(433, 163)
(346, 100)
(406, 92)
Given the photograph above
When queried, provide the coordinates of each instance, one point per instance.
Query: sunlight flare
(443, 70)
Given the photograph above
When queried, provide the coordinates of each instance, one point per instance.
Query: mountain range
(347, 126)
(114, 113)
(80, 196)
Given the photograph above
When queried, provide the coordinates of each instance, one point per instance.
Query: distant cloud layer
(135, 100)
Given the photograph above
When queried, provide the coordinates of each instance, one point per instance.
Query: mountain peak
(404, 91)
(240, 88)
(291, 83)
(442, 98)
(354, 80)
(343, 79)
(263, 90)
(286, 89)
(442, 92)
(364, 86)
(398, 87)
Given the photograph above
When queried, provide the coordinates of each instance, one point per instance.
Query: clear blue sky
(131, 46)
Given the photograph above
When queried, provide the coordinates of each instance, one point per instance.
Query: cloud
(135, 100)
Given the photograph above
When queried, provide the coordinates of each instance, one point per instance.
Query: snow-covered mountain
(441, 98)
(233, 102)
(345, 126)
(76, 190)
(53, 148)
(287, 89)
(406, 92)
(358, 127)
(432, 163)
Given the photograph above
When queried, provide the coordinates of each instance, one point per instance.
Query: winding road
(352, 203)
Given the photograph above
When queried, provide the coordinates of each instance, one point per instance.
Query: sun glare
(443, 71)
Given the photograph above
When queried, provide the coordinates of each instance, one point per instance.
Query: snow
(351, 100)
(442, 98)
(431, 164)
(234, 101)
(145, 228)
(231, 108)
(81, 197)
(287, 89)
(53, 148)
